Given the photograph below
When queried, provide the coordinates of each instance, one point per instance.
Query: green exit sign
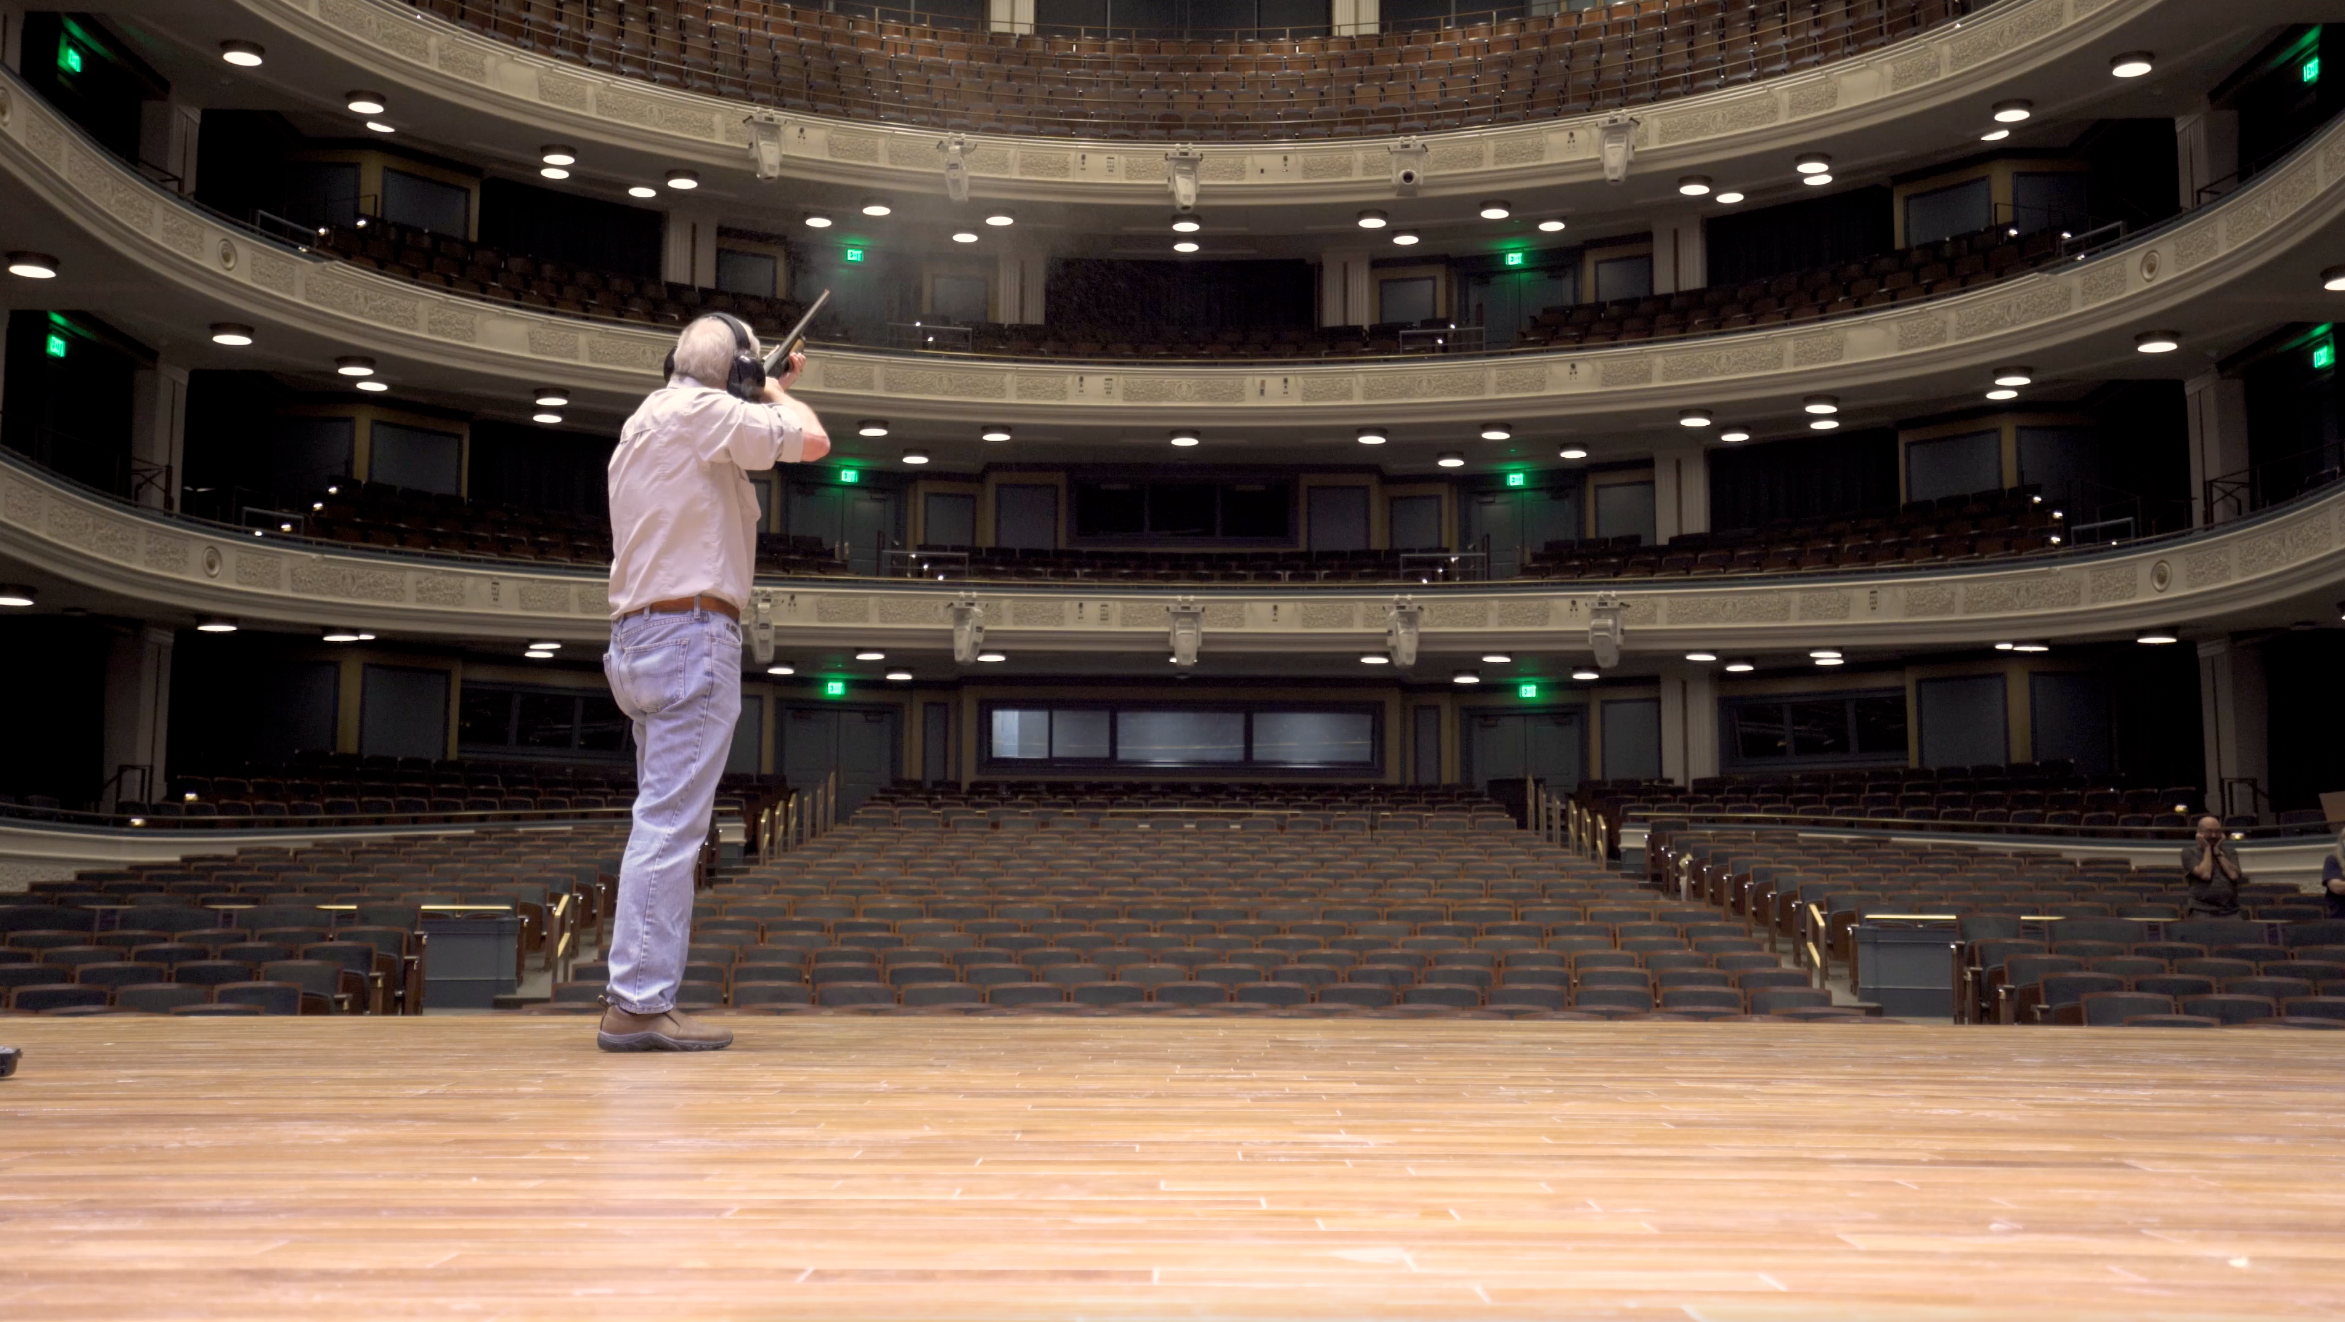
(1526, 690)
(68, 55)
(854, 254)
(1514, 259)
(56, 345)
(1516, 479)
(2311, 70)
(850, 476)
(834, 688)
(2324, 355)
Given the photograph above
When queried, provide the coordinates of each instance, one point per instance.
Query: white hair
(705, 351)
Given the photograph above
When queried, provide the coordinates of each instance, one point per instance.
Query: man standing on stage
(683, 537)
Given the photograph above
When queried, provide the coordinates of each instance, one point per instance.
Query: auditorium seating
(375, 514)
(2049, 797)
(1299, 87)
(1978, 526)
(481, 271)
(2039, 938)
(325, 929)
(1063, 897)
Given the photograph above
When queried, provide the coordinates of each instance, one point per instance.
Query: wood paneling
(836, 1167)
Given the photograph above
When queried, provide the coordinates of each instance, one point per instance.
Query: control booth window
(502, 720)
(1159, 737)
(1822, 729)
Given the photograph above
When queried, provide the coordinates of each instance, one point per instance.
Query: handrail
(2114, 836)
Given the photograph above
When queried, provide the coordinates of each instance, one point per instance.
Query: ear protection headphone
(745, 379)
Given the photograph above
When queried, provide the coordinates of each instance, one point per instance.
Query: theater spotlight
(1188, 631)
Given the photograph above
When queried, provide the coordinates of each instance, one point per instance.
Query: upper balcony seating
(1924, 271)
(375, 514)
(1159, 90)
(1979, 526)
(480, 271)
(1432, 565)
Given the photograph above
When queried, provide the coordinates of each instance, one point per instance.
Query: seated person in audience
(683, 532)
(2333, 878)
(2210, 866)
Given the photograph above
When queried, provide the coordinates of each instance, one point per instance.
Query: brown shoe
(673, 1031)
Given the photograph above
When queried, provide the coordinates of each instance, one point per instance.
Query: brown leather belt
(684, 605)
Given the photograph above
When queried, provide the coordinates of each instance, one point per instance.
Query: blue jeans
(678, 678)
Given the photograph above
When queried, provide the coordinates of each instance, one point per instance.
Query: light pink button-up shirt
(683, 514)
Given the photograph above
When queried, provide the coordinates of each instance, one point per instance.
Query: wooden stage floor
(931, 1168)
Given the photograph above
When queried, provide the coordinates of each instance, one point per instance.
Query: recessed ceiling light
(552, 172)
(1375, 659)
(1814, 162)
(683, 181)
(232, 334)
(2013, 111)
(1465, 677)
(995, 432)
(352, 365)
(2333, 279)
(1727, 198)
(1701, 656)
(1405, 238)
(1693, 417)
(1586, 674)
(1830, 661)
(1184, 245)
(2132, 64)
(915, 457)
(1994, 135)
(1497, 431)
(1373, 220)
(2001, 393)
(1821, 404)
(343, 636)
(1496, 209)
(877, 206)
(2158, 341)
(32, 265)
(900, 676)
(538, 656)
(1820, 653)
(372, 103)
(1000, 219)
(990, 657)
(1572, 452)
(1815, 180)
(1741, 666)
(1551, 225)
(2014, 376)
(1187, 224)
(818, 221)
(872, 427)
(1823, 424)
(547, 645)
(2031, 646)
(2158, 637)
(548, 417)
(781, 668)
(242, 54)
(551, 397)
(378, 126)
(17, 595)
(1733, 434)
(1694, 185)
(555, 153)
(372, 385)
(1371, 436)
(214, 624)
(1497, 659)
(642, 190)
(1451, 459)
(1184, 437)
(871, 654)
(964, 236)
